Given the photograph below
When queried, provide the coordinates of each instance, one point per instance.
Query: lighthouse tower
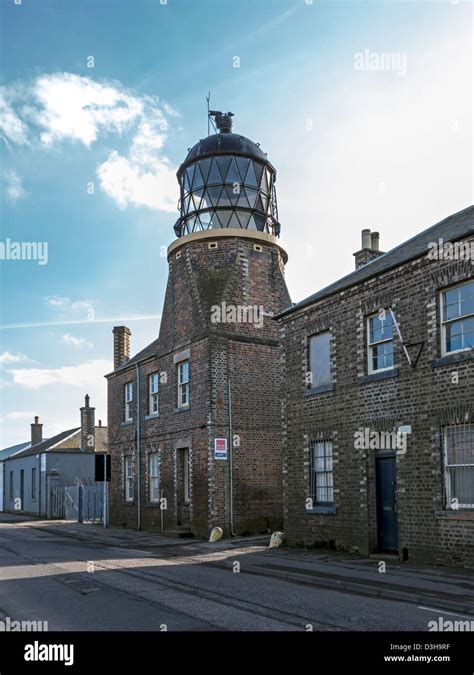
(217, 431)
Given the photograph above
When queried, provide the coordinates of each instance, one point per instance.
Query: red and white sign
(220, 448)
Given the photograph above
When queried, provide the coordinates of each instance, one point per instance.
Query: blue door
(386, 493)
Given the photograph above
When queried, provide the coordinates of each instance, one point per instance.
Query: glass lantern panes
(228, 191)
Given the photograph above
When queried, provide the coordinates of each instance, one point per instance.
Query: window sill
(458, 357)
(455, 514)
(127, 423)
(153, 416)
(319, 390)
(375, 377)
(182, 408)
(330, 509)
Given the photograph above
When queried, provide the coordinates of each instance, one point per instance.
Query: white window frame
(129, 478)
(153, 394)
(128, 396)
(327, 472)
(154, 477)
(371, 345)
(183, 384)
(449, 468)
(444, 322)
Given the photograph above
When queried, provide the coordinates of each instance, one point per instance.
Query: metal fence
(82, 503)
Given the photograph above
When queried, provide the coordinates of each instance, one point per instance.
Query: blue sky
(89, 156)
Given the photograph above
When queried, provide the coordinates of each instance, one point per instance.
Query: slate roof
(12, 450)
(48, 443)
(454, 227)
(149, 351)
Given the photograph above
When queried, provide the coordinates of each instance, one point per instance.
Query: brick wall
(200, 278)
(424, 397)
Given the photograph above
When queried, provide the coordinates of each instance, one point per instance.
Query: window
(129, 478)
(457, 318)
(319, 360)
(154, 477)
(11, 484)
(128, 401)
(380, 342)
(183, 384)
(322, 488)
(33, 483)
(459, 465)
(153, 384)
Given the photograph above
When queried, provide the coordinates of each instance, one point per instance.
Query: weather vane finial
(223, 120)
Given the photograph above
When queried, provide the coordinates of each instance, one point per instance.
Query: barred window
(459, 465)
(322, 486)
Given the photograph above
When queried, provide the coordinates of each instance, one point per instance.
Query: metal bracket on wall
(405, 345)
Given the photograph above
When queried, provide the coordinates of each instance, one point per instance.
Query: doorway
(386, 498)
(183, 487)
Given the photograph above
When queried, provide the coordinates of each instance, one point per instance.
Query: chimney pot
(366, 239)
(375, 241)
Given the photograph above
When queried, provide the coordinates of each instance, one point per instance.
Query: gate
(82, 503)
(57, 503)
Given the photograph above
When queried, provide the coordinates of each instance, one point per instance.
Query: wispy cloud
(8, 357)
(62, 107)
(76, 342)
(82, 375)
(13, 185)
(20, 415)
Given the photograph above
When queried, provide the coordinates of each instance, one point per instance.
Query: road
(89, 585)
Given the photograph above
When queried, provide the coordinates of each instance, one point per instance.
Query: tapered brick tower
(217, 356)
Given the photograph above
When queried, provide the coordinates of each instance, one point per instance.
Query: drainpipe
(231, 468)
(139, 463)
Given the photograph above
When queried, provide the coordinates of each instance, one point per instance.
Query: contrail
(39, 324)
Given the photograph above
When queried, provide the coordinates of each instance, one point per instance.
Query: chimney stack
(370, 248)
(87, 426)
(36, 432)
(121, 345)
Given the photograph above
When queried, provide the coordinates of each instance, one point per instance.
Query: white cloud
(8, 357)
(67, 107)
(20, 415)
(12, 128)
(76, 342)
(13, 186)
(77, 108)
(84, 375)
(71, 309)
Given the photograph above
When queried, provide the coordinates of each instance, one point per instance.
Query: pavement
(442, 588)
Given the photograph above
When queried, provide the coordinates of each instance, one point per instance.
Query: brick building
(214, 370)
(379, 390)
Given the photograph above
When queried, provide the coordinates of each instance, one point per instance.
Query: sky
(100, 101)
